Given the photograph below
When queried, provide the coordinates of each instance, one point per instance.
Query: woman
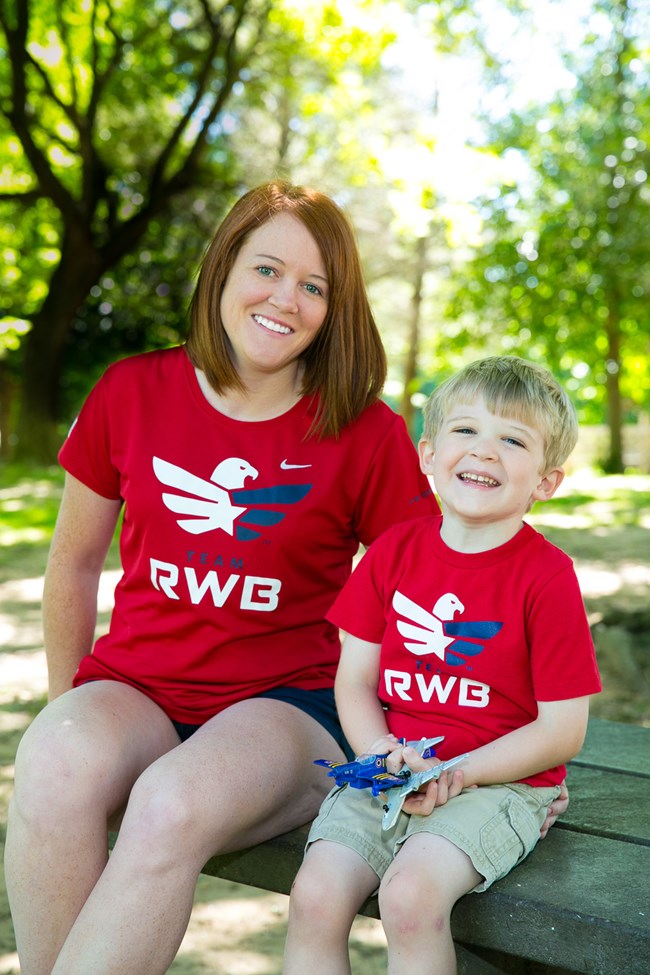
(249, 466)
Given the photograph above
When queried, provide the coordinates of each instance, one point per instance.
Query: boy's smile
(479, 479)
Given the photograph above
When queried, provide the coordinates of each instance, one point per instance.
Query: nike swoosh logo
(286, 466)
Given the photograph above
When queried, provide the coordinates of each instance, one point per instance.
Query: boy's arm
(360, 710)
(553, 738)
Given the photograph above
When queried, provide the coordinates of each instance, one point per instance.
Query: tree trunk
(38, 437)
(411, 364)
(614, 462)
(7, 401)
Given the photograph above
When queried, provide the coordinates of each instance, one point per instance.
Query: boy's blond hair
(513, 387)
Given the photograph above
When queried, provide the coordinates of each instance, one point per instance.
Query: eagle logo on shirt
(437, 632)
(222, 503)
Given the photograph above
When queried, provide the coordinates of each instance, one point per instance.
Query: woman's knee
(56, 770)
(79, 756)
(164, 819)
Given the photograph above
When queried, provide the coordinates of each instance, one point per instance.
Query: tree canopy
(110, 112)
(126, 131)
(564, 266)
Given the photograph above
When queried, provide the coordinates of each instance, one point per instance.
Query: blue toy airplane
(369, 771)
(394, 799)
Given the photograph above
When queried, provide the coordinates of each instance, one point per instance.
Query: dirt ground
(238, 930)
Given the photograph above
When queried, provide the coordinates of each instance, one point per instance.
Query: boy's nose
(485, 447)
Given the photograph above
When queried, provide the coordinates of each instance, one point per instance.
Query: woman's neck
(263, 399)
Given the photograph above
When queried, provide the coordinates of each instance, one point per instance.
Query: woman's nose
(284, 297)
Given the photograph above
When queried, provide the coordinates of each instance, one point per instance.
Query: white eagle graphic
(222, 501)
(437, 632)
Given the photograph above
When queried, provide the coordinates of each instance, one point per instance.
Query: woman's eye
(313, 289)
(266, 270)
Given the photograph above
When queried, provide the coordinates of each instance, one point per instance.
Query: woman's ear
(548, 484)
(426, 453)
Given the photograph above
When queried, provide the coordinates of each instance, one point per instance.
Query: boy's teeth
(273, 326)
(479, 479)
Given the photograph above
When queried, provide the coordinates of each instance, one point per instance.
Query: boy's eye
(464, 430)
(513, 440)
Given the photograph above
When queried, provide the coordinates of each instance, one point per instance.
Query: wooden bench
(579, 903)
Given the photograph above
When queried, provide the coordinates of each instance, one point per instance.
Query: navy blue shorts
(318, 704)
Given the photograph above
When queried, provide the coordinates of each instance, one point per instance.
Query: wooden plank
(616, 746)
(471, 964)
(578, 902)
(595, 806)
(604, 803)
(271, 865)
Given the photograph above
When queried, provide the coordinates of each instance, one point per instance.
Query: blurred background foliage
(492, 154)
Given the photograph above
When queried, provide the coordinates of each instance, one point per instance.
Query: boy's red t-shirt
(469, 642)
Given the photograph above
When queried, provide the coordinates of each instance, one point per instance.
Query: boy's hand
(391, 746)
(557, 808)
(435, 793)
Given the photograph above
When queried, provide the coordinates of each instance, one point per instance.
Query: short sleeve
(360, 606)
(395, 489)
(87, 450)
(563, 658)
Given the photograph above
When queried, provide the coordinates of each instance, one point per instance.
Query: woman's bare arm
(83, 533)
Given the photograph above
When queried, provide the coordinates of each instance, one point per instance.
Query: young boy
(469, 625)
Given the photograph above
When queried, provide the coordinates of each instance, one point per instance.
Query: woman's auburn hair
(345, 365)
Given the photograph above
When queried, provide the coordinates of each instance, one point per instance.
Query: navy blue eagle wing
(475, 630)
(281, 494)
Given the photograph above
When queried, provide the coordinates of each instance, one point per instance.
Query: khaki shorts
(496, 826)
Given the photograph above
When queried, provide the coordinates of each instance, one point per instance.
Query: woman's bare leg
(245, 776)
(75, 766)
